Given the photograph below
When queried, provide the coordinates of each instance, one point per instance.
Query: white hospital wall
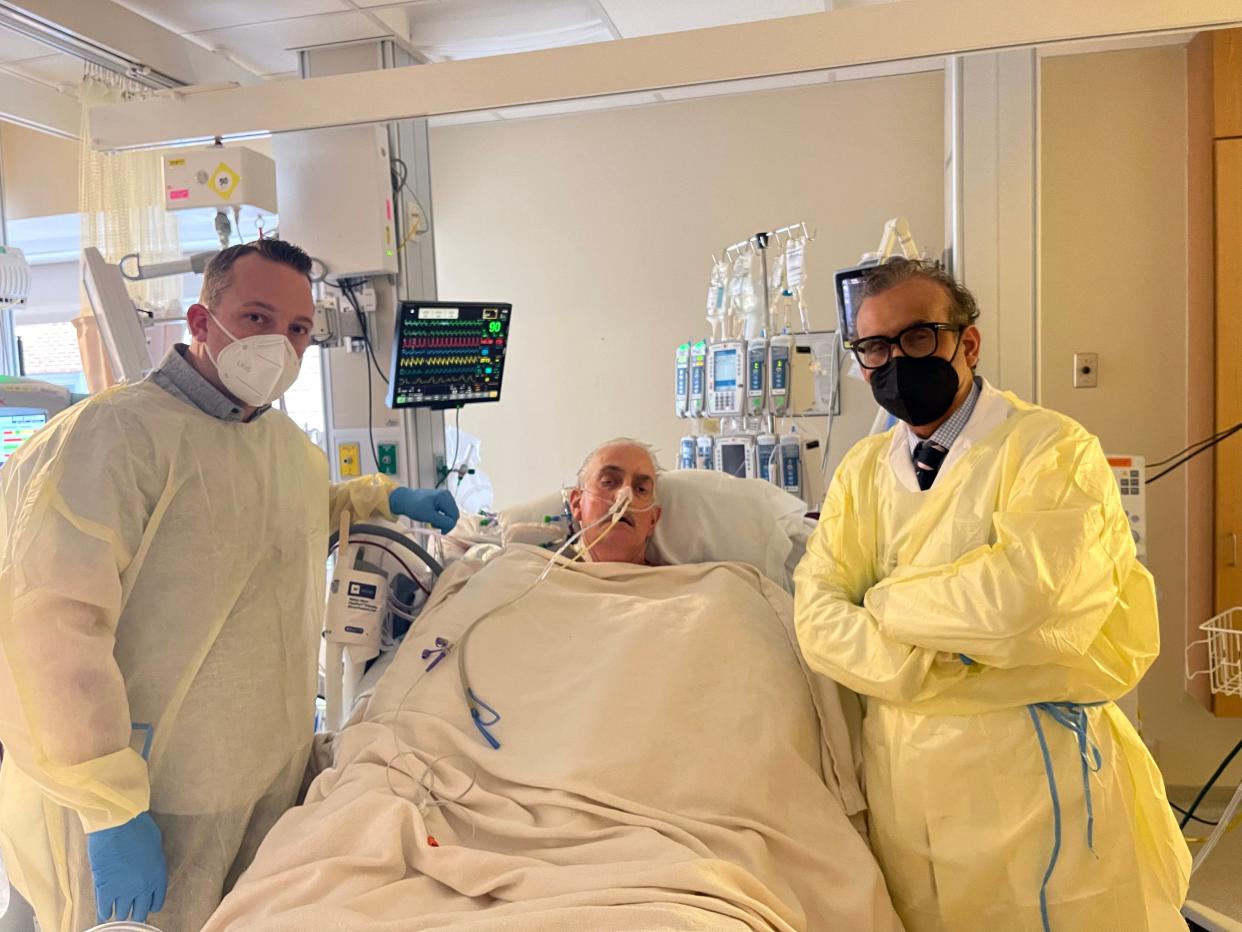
(600, 227)
(1114, 280)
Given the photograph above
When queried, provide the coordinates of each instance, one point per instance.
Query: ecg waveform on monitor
(441, 361)
(417, 380)
(439, 343)
(414, 375)
(450, 354)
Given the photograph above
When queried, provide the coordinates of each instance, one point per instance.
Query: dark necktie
(927, 459)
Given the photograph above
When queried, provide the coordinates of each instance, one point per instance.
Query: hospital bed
(654, 754)
(706, 517)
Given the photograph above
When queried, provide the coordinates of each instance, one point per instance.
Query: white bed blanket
(666, 762)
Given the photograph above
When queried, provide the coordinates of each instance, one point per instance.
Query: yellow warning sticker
(175, 162)
(224, 181)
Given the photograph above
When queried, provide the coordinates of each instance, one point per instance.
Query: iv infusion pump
(780, 356)
(735, 456)
(756, 376)
(698, 379)
(730, 379)
(733, 378)
(726, 383)
(682, 380)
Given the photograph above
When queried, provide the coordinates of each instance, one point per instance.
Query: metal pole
(422, 429)
(954, 206)
(409, 141)
(10, 361)
(761, 241)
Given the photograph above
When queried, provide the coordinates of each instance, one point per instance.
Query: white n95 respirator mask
(256, 370)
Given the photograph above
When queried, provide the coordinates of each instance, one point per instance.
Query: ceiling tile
(14, 47)
(50, 69)
(268, 48)
(183, 16)
(645, 18)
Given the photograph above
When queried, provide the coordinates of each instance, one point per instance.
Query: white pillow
(706, 517)
(538, 522)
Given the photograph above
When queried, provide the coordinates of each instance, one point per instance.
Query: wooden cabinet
(1214, 324)
(1228, 215)
(1227, 69)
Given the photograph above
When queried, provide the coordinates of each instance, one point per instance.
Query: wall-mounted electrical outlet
(1086, 370)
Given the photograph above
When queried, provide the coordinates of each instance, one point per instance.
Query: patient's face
(613, 469)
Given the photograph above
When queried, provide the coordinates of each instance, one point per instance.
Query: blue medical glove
(130, 873)
(431, 506)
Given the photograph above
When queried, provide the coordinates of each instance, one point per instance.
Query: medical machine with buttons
(741, 386)
(698, 379)
(380, 580)
(705, 451)
(16, 429)
(765, 448)
(682, 380)
(448, 354)
(686, 452)
(725, 380)
(25, 406)
(756, 376)
(735, 456)
(779, 361)
(1131, 475)
(791, 464)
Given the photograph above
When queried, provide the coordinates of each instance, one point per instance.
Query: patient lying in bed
(664, 759)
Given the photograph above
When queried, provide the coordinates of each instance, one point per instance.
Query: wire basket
(1224, 646)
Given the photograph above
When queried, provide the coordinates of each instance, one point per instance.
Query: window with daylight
(52, 245)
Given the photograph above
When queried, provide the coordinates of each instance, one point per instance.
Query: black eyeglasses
(916, 340)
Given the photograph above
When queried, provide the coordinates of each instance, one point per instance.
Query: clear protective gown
(158, 567)
(1012, 581)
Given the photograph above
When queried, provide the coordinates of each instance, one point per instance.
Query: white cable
(615, 511)
(430, 799)
(1218, 833)
(614, 514)
(400, 611)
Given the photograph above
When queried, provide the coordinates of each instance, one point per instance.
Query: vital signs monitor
(447, 354)
(16, 429)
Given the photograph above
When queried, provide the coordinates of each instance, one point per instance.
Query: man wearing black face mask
(974, 577)
(918, 347)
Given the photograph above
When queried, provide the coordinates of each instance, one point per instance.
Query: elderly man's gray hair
(619, 442)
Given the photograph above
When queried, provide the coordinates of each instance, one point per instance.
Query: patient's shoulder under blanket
(666, 762)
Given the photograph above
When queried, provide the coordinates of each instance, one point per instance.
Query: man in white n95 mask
(162, 553)
(973, 575)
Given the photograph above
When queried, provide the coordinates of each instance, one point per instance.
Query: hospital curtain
(121, 201)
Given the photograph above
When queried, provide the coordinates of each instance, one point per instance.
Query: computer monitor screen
(16, 429)
(726, 370)
(733, 459)
(448, 354)
(849, 284)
